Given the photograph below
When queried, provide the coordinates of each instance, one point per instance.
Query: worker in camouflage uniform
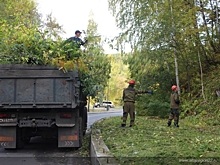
(129, 100)
(174, 107)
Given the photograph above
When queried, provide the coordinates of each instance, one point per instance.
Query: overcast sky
(74, 14)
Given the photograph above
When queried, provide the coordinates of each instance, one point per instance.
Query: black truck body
(41, 101)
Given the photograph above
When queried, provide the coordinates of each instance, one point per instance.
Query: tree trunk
(202, 10)
(201, 73)
(88, 103)
(176, 70)
(175, 52)
(217, 22)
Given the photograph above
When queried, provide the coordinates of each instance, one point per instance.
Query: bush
(152, 107)
(158, 108)
(141, 110)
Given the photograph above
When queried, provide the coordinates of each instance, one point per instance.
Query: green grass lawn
(150, 141)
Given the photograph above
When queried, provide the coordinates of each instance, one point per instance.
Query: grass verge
(150, 141)
(84, 150)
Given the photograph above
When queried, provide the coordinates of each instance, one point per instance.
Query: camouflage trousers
(174, 114)
(128, 109)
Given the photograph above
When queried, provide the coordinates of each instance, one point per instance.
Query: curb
(99, 152)
(104, 112)
(113, 111)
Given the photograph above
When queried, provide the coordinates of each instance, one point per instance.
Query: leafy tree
(27, 39)
(158, 31)
(23, 38)
(98, 64)
(118, 81)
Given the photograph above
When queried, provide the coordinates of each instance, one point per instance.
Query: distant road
(94, 116)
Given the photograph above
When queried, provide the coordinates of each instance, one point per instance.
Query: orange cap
(173, 87)
(131, 82)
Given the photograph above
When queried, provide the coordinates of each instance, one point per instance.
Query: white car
(108, 103)
(97, 105)
(104, 104)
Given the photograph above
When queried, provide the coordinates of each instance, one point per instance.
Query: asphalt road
(45, 152)
(94, 116)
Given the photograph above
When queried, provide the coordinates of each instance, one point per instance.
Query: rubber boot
(123, 125)
(176, 124)
(169, 123)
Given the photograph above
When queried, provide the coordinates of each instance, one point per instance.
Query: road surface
(45, 152)
(94, 116)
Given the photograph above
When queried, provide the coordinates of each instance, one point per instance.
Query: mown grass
(84, 150)
(150, 141)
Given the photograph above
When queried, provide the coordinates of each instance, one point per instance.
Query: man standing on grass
(174, 107)
(129, 100)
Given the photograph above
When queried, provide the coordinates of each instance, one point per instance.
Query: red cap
(173, 87)
(131, 82)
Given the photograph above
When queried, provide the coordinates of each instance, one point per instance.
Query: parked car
(97, 105)
(104, 104)
(108, 103)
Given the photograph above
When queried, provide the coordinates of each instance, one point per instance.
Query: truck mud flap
(68, 137)
(8, 137)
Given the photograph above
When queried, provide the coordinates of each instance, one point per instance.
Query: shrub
(158, 108)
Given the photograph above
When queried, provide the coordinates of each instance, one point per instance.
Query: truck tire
(80, 132)
(85, 120)
(19, 138)
(27, 140)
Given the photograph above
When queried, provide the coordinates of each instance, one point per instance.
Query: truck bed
(29, 86)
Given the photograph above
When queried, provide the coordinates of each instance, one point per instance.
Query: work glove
(177, 101)
(150, 92)
(85, 40)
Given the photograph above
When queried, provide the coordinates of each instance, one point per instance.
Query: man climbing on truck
(72, 45)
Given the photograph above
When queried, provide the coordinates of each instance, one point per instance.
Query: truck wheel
(85, 119)
(80, 132)
(19, 139)
(27, 140)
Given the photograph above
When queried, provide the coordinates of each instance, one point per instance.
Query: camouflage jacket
(174, 101)
(130, 93)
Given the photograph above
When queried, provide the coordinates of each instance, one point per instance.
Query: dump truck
(41, 101)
